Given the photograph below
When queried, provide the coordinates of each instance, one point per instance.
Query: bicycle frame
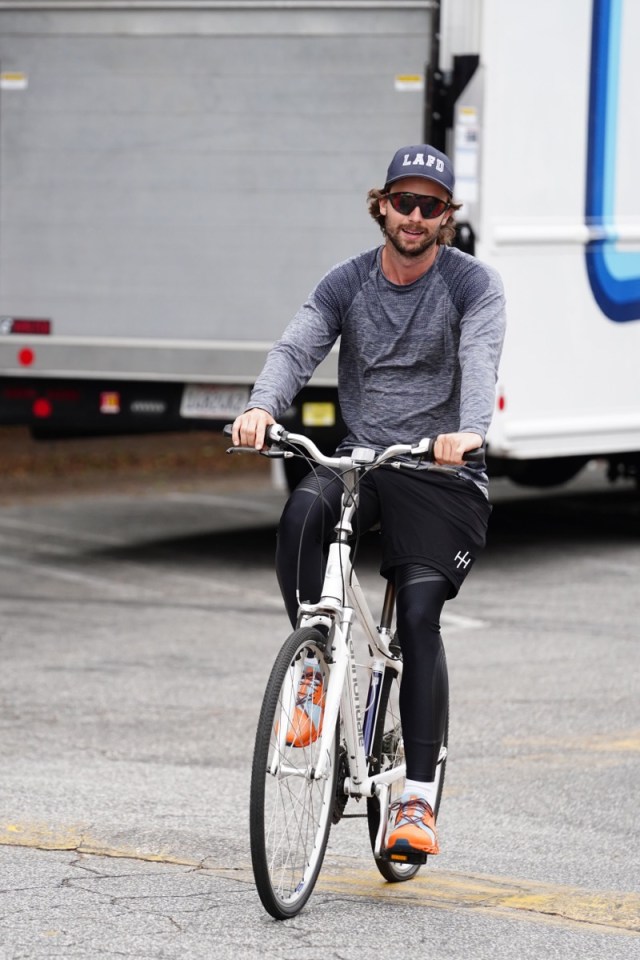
(315, 744)
(308, 761)
(342, 601)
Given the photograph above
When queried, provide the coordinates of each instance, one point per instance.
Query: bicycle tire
(386, 752)
(290, 811)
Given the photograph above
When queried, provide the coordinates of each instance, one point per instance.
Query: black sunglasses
(405, 203)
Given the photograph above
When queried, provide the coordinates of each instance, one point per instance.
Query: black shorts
(434, 519)
(427, 517)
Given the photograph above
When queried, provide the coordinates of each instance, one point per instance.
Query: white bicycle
(300, 787)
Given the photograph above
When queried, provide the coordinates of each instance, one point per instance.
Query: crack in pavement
(345, 878)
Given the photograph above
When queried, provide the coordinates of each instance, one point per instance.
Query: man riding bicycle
(421, 327)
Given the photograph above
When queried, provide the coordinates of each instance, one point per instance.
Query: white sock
(421, 788)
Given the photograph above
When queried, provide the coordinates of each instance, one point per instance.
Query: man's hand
(450, 448)
(249, 428)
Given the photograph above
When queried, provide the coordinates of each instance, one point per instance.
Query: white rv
(176, 176)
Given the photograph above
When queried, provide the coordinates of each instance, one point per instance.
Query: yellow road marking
(75, 838)
(432, 887)
(603, 750)
(601, 743)
(610, 912)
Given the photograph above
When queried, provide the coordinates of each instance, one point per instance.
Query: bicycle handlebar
(360, 456)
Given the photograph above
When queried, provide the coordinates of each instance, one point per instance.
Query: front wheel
(291, 809)
(387, 752)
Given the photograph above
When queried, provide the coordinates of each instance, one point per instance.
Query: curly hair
(447, 232)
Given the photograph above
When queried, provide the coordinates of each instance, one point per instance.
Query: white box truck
(176, 176)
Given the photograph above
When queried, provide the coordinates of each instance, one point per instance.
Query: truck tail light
(26, 356)
(42, 408)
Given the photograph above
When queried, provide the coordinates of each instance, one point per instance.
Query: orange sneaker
(306, 725)
(414, 830)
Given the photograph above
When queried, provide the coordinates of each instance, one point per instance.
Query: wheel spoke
(387, 752)
(290, 809)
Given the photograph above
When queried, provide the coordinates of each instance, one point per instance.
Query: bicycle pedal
(406, 856)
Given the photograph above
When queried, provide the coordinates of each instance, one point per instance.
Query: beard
(396, 238)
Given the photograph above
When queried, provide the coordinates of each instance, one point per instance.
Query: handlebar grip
(227, 431)
(475, 456)
(425, 449)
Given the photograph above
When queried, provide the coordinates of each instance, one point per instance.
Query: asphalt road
(137, 632)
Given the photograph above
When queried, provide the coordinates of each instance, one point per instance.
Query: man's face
(410, 234)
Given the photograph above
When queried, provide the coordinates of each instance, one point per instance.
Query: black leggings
(424, 692)
(306, 529)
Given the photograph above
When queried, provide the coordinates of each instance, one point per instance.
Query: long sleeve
(291, 361)
(482, 329)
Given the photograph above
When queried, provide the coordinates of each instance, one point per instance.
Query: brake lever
(275, 453)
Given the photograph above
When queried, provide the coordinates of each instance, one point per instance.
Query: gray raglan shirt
(415, 360)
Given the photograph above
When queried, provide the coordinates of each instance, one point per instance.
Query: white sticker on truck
(13, 80)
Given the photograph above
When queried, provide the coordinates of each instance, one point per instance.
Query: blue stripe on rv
(614, 274)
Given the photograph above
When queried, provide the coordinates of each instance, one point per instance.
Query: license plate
(202, 400)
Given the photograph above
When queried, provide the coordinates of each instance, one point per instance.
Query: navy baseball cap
(422, 161)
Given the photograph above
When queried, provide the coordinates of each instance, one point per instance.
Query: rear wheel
(387, 752)
(290, 808)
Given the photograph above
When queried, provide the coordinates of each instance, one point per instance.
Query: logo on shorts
(463, 561)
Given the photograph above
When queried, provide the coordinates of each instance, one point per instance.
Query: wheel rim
(297, 807)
